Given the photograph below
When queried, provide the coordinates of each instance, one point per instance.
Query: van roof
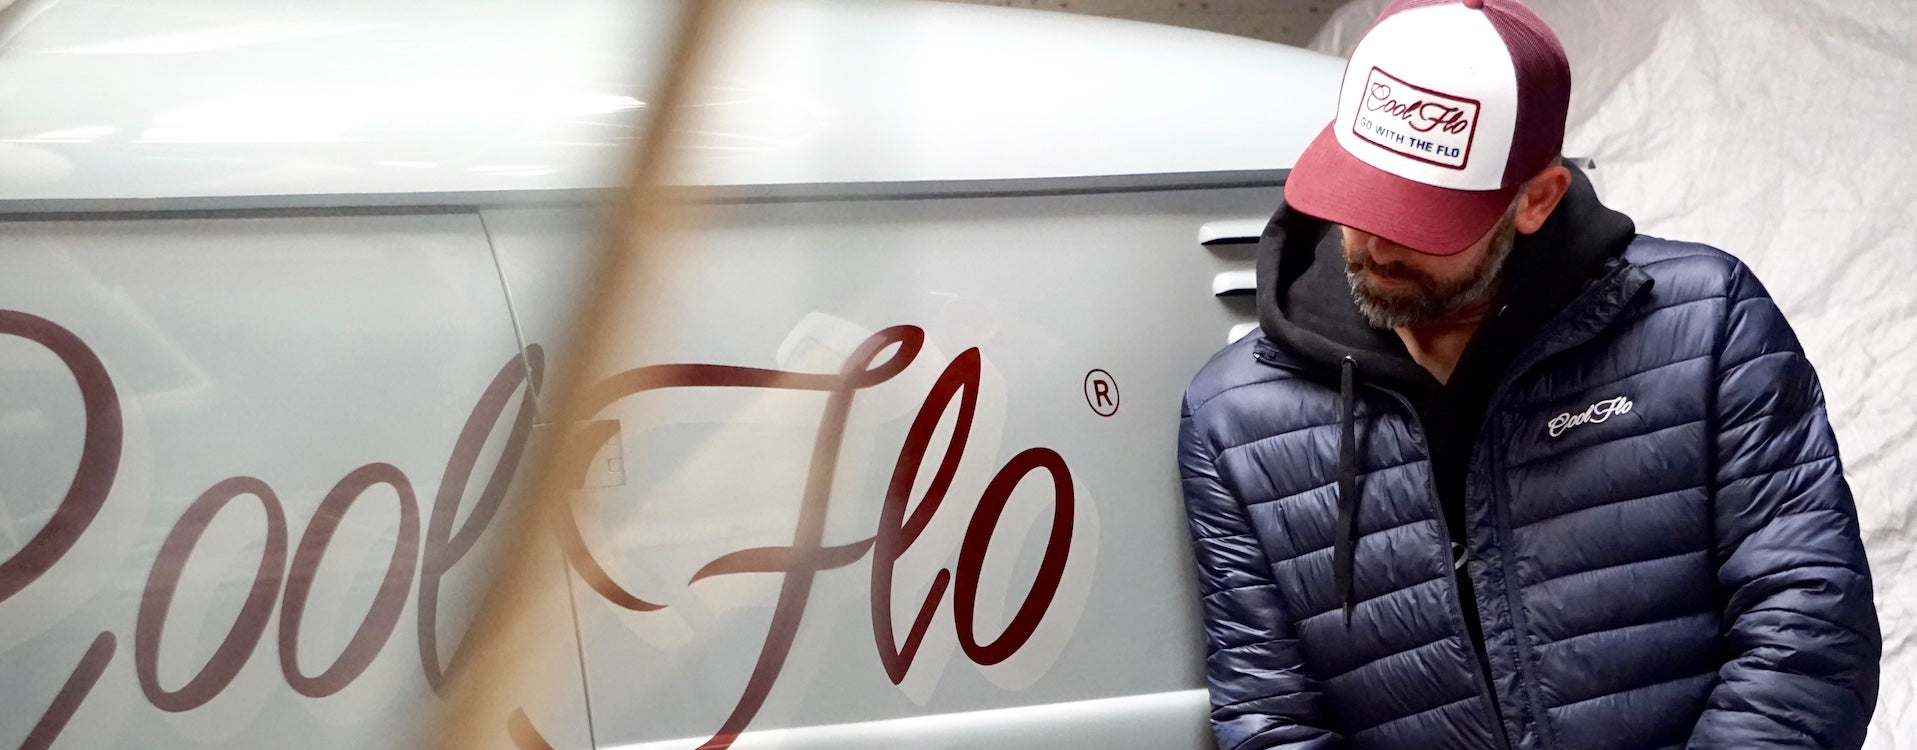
(101, 99)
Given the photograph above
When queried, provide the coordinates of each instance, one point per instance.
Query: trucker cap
(1447, 108)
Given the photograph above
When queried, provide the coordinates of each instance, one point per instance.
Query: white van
(281, 281)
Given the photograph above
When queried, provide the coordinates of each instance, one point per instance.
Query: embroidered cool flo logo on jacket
(1592, 414)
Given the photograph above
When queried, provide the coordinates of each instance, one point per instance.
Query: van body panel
(1029, 283)
(289, 353)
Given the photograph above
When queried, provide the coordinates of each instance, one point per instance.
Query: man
(1500, 473)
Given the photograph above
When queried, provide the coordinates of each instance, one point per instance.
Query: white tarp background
(1786, 133)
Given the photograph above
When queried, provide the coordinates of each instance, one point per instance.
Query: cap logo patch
(1416, 122)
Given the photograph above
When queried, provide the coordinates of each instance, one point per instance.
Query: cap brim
(1331, 184)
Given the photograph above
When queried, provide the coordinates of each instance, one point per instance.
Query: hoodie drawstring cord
(1346, 533)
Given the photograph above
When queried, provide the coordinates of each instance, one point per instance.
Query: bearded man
(1499, 472)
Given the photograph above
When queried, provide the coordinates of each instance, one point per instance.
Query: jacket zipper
(1480, 654)
(1478, 669)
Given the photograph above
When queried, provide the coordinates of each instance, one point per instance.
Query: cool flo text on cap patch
(1416, 122)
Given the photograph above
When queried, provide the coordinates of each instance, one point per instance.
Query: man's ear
(1540, 196)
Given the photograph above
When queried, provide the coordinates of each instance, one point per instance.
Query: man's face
(1396, 286)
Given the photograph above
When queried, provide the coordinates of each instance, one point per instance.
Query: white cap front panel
(1430, 95)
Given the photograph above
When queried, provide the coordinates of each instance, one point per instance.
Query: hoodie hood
(1305, 306)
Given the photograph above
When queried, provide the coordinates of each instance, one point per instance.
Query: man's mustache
(1397, 271)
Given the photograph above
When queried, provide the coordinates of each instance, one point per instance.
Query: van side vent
(1235, 281)
(1231, 232)
(1234, 249)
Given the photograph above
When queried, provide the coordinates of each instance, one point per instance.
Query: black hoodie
(1305, 308)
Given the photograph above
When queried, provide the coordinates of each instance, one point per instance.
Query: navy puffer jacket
(1663, 549)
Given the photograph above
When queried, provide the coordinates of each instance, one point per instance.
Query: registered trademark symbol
(1101, 392)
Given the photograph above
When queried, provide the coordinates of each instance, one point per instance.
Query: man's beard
(1427, 298)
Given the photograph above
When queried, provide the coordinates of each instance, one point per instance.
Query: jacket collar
(1585, 316)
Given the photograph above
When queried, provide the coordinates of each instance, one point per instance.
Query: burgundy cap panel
(1344, 190)
(1544, 87)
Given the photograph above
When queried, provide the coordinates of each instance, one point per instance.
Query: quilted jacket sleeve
(1260, 695)
(1801, 636)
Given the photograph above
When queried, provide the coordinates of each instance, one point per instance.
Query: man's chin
(1389, 308)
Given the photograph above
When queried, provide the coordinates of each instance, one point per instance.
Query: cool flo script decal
(441, 546)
